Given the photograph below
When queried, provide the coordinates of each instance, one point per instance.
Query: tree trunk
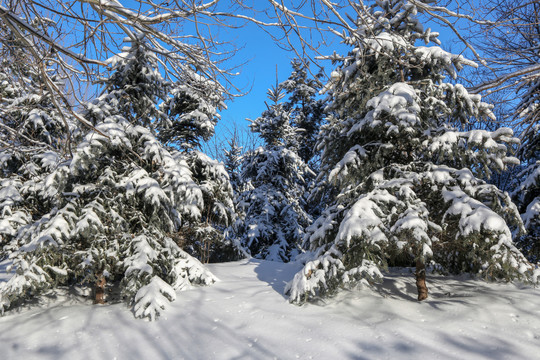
(421, 280)
(100, 289)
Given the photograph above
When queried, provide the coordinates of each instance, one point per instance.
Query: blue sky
(257, 75)
(262, 54)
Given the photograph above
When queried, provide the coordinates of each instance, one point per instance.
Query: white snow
(364, 219)
(531, 214)
(153, 298)
(435, 55)
(385, 43)
(245, 316)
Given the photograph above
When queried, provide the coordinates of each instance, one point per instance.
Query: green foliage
(114, 210)
(403, 179)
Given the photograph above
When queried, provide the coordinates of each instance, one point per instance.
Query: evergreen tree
(209, 238)
(186, 115)
(133, 87)
(272, 205)
(527, 194)
(233, 163)
(35, 129)
(306, 111)
(192, 111)
(408, 181)
(191, 115)
(114, 209)
(35, 136)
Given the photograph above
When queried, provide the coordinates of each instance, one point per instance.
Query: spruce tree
(36, 133)
(115, 209)
(208, 237)
(133, 87)
(527, 194)
(233, 162)
(408, 180)
(306, 110)
(272, 204)
(191, 112)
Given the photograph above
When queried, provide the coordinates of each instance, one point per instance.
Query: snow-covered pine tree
(192, 111)
(527, 194)
(233, 163)
(134, 87)
(272, 205)
(33, 122)
(115, 207)
(306, 111)
(408, 180)
(191, 114)
(209, 237)
(35, 136)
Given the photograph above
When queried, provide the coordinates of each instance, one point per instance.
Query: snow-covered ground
(245, 316)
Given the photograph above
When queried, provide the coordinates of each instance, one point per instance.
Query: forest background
(106, 106)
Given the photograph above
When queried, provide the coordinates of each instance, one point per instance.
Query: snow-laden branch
(445, 19)
(449, 13)
(116, 7)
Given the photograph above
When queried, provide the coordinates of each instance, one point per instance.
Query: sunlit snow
(245, 316)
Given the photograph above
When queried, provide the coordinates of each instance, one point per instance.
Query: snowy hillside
(245, 316)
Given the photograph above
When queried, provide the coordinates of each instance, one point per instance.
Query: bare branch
(515, 75)
(15, 23)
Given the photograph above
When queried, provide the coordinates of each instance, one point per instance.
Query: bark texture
(421, 280)
(100, 290)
